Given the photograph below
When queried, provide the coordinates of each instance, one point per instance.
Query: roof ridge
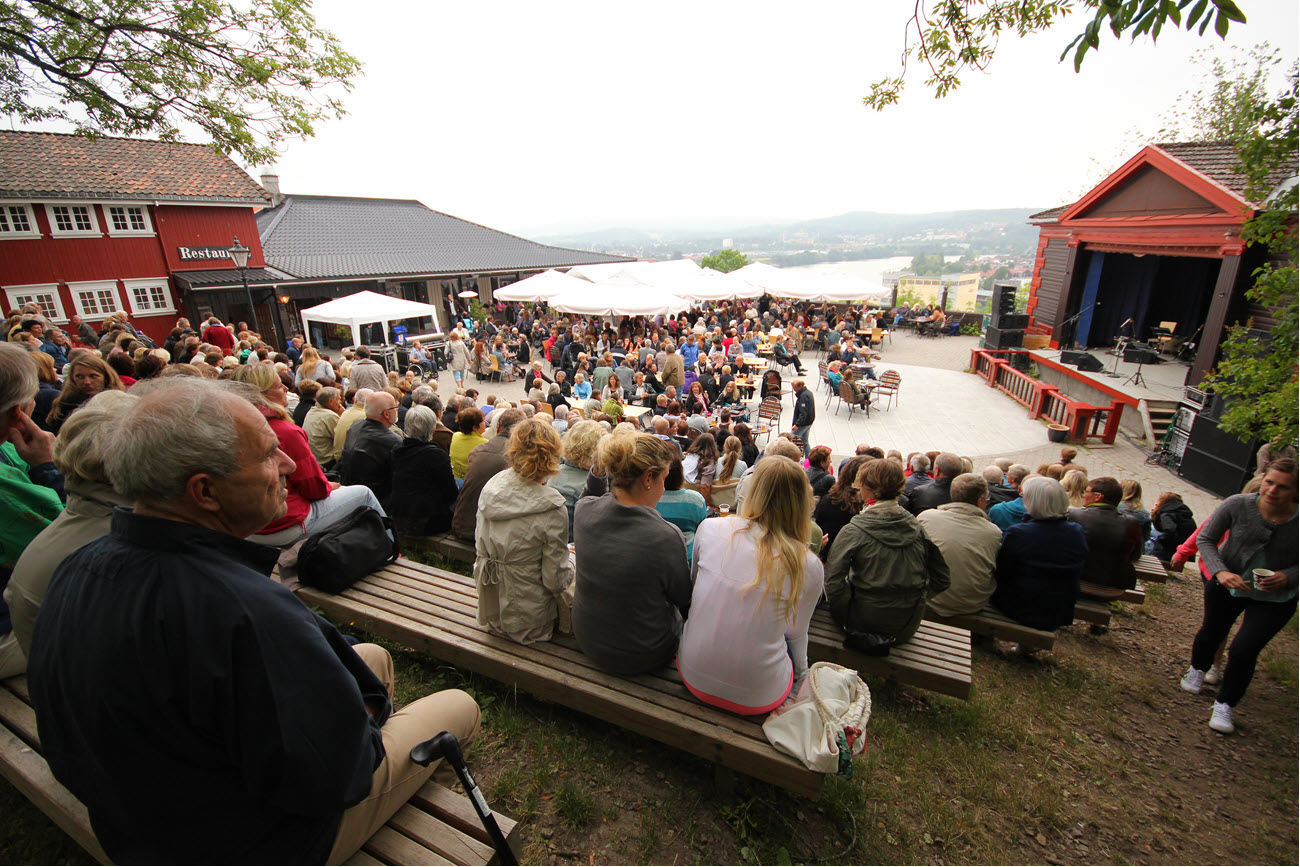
(98, 137)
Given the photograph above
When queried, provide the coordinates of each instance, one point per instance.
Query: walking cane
(445, 746)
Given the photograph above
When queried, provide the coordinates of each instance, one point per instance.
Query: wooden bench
(1092, 612)
(448, 545)
(937, 657)
(1099, 593)
(1150, 570)
(437, 826)
(994, 624)
(436, 612)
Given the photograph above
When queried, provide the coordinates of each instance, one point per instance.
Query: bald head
(378, 404)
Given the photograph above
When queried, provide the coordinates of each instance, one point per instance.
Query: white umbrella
(539, 287)
(599, 271)
(615, 298)
(722, 287)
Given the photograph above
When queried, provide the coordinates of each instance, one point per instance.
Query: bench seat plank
(395, 847)
(1096, 613)
(995, 624)
(1150, 569)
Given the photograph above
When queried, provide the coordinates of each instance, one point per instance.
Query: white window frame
(56, 232)
(74, 289)
(16, 296)
(136, 310)
(33, 230)
(127, 233)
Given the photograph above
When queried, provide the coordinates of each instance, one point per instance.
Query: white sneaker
(1214, 675)
(1193, 680)
(1221, 719)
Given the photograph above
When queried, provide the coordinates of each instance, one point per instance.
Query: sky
(538, 117)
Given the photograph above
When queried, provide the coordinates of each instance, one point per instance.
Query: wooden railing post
(1112, 422)
(1039, 403)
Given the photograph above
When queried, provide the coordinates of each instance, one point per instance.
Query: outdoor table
(634, 412)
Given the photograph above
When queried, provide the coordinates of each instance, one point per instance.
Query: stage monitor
(1141, 355)
(1083, 360)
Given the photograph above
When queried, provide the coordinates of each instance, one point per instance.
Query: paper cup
(1257, 575)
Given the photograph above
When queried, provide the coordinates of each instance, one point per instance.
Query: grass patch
(575, 805)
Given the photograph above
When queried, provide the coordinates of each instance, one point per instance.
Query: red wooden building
(91, 227)
(1156, 241)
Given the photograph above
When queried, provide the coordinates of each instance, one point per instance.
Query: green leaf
(1228, 8)
(1221, 24)
(1197, 11)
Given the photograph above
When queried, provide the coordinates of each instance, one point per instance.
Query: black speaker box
(1082, 360)
(1141, 355)
(1004, 298)
(1011, 321)
(1000, 338)
(1215, 460)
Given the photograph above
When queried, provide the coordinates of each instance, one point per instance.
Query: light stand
(239, 253)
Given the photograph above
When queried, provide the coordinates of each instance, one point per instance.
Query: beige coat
(969, 542)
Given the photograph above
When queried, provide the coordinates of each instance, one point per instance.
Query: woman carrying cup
(1252, 573)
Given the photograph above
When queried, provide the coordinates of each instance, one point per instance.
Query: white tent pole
(356, 334)
(306, 332)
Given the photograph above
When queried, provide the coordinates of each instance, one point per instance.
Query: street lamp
(240, 254)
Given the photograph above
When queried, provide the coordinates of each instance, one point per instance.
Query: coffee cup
(1258, 575)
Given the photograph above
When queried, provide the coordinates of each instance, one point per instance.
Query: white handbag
(826, 723)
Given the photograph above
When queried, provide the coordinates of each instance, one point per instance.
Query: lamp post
(239, 253)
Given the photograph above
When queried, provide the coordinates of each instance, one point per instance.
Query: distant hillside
(872, 223)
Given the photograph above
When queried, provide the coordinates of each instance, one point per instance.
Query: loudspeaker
(999, 338)
(1141, 355)
(1004, 298)
(1011, 321)
(1082, 360)
(1215, 460)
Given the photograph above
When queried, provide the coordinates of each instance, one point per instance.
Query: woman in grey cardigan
(1261, 535)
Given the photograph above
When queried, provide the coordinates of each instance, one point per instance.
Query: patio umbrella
(612, 298)
(540, 287)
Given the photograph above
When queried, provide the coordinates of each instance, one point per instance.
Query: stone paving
(941, 407)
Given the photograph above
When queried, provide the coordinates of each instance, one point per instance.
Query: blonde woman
(756, 584)
(1131, 505)
(1075, 483)
(314, 367)
(730, 467)
(523, 565)
(580, 443)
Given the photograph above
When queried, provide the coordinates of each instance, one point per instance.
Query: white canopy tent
(811, 286)
(363, 308)
(629, 299)
(540, 287)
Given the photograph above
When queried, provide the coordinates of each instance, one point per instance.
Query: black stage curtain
(1150, 290)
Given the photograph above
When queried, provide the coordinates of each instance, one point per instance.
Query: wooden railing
(1084, 421)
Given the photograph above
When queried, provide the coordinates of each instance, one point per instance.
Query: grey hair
(948, 465)
(920, 463)
(1016, 474)
(195, 418)
(968, 488)
(325, 396)
(83, 441)
(1045, 498)
(420, 423)
(361, 395)
(424, 395)
(993, 475)
(529, 410)
(17, 377)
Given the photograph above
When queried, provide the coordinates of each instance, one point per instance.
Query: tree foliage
(1227, 106)
(248, 75)
(948, 37)
(726, 260)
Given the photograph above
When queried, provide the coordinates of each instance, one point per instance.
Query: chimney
(271, 183)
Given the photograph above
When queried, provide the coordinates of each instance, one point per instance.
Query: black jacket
(929, 496)
(804, 411)
(1001, 494)
(368, 457)
(1114, 543)
(424, 489)
(1038, 571)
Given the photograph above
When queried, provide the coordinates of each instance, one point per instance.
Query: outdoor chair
(888, 386)
(848, 397)
(769, 413)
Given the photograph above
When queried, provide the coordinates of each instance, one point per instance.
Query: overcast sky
(536, 116)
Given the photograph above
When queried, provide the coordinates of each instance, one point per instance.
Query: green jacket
(879, 571)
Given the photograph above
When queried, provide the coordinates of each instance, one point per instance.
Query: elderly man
(368, 455)
(321, 424)
(1011, 512)
(969, 544)
(999, 491)
(485, 461)
(353, 414)
(1114, 540)
(947, 467)
(804, 413)
(31, 488)
(251, 702)
(366, 372)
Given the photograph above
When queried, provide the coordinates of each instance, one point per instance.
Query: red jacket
(219, 335)
(306, 483)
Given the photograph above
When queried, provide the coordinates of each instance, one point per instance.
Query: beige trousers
(398, 778)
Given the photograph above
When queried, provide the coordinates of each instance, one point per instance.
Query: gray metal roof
(223, 278)
(315, 237)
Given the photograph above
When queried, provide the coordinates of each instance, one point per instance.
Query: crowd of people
(128, 467)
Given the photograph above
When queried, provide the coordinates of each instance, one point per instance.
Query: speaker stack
(1007, 327)
(1212, 458)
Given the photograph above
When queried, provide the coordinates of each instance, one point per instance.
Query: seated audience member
(969, 544)
(31, 488)
(1000, 491)
(313, 501)
(1170, 523)
(841, 503)
(947, 467)
(470, 425)
(920, 466)
(1068, 454)
(424, 490)
(321, 422)
(1131, 506)
(1114, 540)
(1011, 512)
(306, 391)
(756, 584)
(483, 464)
(85, 376)
(1075, 482)
(368, 455)
(683, 508)
(882, 565)
(819, 470)
(1041, 559)
(700, 463)
(423, 395)
(47, 389)
(580, 440)
(730, 466)
(256, 687)
(79, 455)
(522, 565)
(354, 414)
(627, 619)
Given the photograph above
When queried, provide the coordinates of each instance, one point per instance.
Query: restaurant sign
(197, 254)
